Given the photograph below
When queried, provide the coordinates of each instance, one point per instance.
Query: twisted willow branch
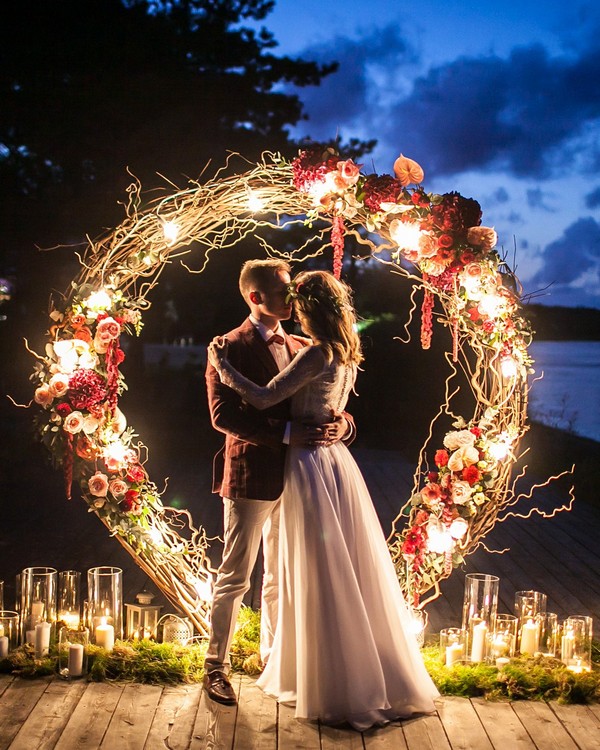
(79, 380)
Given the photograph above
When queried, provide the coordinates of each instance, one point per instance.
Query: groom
(248, 471)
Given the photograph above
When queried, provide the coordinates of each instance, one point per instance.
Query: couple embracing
(336, 636)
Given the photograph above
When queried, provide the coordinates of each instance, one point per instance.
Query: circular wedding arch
(435, 240)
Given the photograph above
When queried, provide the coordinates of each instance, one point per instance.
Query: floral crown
(302, 291)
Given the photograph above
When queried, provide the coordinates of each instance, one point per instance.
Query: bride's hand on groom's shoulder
(217, 351)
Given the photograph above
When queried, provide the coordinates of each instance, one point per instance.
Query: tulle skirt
(344, 651)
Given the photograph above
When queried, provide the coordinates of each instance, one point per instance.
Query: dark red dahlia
(312, 165)
(455, 213)
(86, 389)
(381, 189)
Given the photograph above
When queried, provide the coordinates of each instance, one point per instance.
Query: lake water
(568, 395)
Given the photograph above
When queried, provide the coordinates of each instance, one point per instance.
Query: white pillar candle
(37, 611)
(42, 639)
(30, 637)
(529, 638)
(566, 647)
(454, 653)
(478, 646)
(75, 661)
(105, 636)
(3, 647)
(502, 661)
(1, 630)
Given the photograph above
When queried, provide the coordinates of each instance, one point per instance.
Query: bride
(343, 649)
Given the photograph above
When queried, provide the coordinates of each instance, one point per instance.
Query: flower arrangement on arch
(78, 383)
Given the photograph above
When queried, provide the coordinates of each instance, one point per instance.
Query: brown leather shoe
(218, 688)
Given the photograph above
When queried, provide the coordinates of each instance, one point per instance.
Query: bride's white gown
(344, 650)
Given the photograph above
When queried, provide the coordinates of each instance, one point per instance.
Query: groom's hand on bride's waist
(310, 435)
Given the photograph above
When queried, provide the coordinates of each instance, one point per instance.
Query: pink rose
(461, 492)
(483, 237)
(74, 422)
(98, 484)
(59, 384)
(458, 438)
(427, 246)
(349, 172)
(43, 395)
(118, 487)
(408, 171)
(473, 271)
(108, 330)
(431, 492)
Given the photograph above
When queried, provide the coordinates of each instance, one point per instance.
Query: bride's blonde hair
(325, 305)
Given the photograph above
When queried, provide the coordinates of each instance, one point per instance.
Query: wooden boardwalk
(50, 714)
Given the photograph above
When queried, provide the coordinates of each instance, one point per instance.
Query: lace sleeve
(303, 368)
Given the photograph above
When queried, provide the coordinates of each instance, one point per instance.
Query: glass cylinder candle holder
(1, 594)
(528, 605)
(18, 593)
(480, 605)
(452, 645)
(73, 652)
(502, 640)
(38, 602)
(576, 643)
(9, 632)
(549, 634)
(69, 599)
(105, 605)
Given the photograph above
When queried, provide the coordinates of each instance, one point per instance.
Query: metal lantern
(142, 617)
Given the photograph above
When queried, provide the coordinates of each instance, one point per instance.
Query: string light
(406, 235)
(171, 232)
(255, 202)
(98, 301)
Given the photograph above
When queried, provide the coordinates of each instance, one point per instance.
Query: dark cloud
(592, 200)
(501, 195)
(571, 264)
(366, 72)
(517, 113)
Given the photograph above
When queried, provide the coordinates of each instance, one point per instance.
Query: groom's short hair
(258, 274)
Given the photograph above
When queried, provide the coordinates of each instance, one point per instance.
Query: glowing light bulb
(204, 589)
(255, 202)
(500, 448)
(171, 232)
(405, 234)
(438, 539)
(97, 301)
(491, 305)
(115, 451)
(508, 367)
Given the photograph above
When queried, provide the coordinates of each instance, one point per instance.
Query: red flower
(63, 409)
(445, 240)
(476, 431)
(86, 389)
(381, 189)
(136, 473)
(130, 501)
(432, 476)
(471, 474)
(441, 458)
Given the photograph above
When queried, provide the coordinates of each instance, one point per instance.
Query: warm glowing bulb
(490, 305)
(204, 589)
(438, 539)
(508, 367)
(500, 449)
(255, 202)
(97, 301)
(171, 232)
(406, 235)
(155, 535)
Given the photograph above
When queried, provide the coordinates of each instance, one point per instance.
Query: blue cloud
(592, 200)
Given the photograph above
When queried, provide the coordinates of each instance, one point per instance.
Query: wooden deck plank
(502, 725)
(334, 738)
(462, 725)
(385, 738)
(293, 734)
(256, 725)
(426, 732)
(544, 728)
(582, 724)
(173, 721)
(130, 724)
(87, 724)
(18, 702)
(44, 725)
(214, 727)
(5, 681)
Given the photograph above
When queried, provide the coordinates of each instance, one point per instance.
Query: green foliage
(245, 649)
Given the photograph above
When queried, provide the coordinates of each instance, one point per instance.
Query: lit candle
(70, 619)
(30, 637)
(566, 647)
(529, 638)
(75, 661)
(502, 661)
(1, 630)
(499, 646)
(478, 647)
(105, 635)
(454, 653)
(3, 647)
(42, 639)
(37, 612)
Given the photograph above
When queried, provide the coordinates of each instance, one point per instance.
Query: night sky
(500, 101)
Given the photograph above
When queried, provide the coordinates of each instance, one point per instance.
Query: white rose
(458, 438)
(73, 422)
(59, 384)
(461, 492)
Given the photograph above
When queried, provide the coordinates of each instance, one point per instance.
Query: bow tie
(275, 339)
